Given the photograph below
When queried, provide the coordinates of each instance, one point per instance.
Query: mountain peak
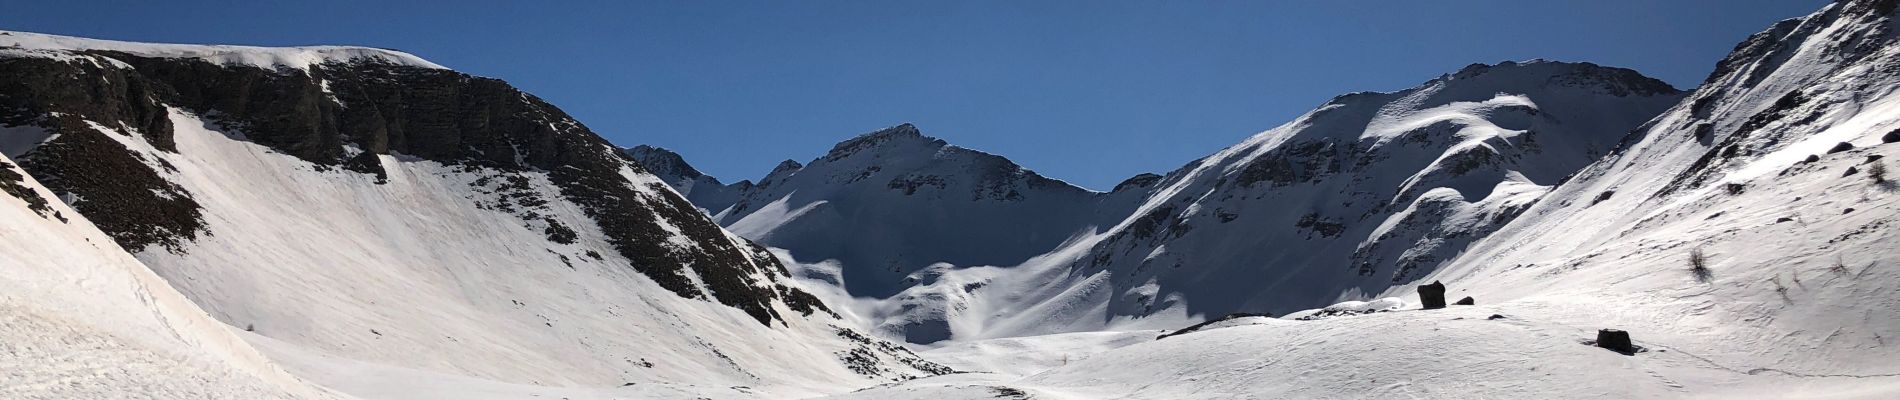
(662, 162)
(1621, 82)
(901, 134)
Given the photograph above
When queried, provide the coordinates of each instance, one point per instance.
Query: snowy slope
(1798, 278)
(81, 318)
(417, 219)
(1535, 350)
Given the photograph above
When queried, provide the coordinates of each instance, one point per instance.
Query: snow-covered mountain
(1761, 177)
(241, 222)
(1369, 190)
(890, 203)
(366, 205)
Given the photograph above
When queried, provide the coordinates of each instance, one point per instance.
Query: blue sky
(1086, 91)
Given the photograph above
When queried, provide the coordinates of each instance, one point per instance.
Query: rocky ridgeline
(339, 115)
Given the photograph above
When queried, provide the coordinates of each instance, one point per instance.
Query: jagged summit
(663, 162)
(301, 57)
(904, 136)
(785, 166)
(1139, 181)
(1610, 80)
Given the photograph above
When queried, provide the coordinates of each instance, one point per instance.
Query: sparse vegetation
(1699, 265)
(1878, 171)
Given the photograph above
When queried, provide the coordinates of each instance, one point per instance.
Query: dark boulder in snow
(1467, 301)
(1197, 327)
(1840, 147)
(1432, 296)
(1890, 137)
(1615, 340)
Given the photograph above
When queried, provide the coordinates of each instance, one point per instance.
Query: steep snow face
(1765, 169)
(890, 203)
(704, 191)
(416, 219)
(1369, 190)
(82, 318)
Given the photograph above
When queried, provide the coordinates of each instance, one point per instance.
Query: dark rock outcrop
(1840, 147)
(1141, 181)
(1432, 296)
(1197, 327)
(1467, 301)
(1615, 340)
(11, 184)
(119, 189)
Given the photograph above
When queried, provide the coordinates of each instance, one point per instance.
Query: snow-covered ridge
(301, 57)
(352, 221)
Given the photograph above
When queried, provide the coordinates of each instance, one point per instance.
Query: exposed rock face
(338, 115)
(122, 191)
(12, 184)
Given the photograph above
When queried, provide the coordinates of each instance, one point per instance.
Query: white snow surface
(28, 44)
(81, 318)
(411, 274)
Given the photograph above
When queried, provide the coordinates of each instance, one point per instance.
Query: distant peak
(1144, 180)
(662, 161)
(902, 133)
(904, 129)
(1610, 80)
(787, 165)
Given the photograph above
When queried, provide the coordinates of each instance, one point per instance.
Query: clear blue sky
(1086, 91)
